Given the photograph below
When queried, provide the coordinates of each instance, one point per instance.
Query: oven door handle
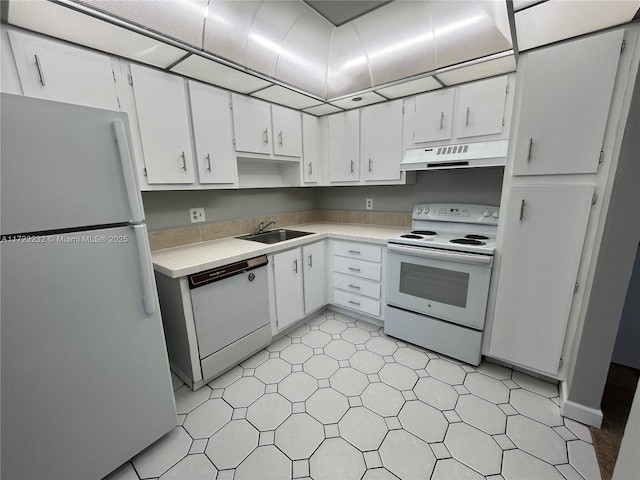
(440, 255)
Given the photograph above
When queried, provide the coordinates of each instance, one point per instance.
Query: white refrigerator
(85, 379)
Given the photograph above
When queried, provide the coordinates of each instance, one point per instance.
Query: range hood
(463, 155)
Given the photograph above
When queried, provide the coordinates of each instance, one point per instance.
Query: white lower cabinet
(357, 276)
(545, 232)
(299, 282)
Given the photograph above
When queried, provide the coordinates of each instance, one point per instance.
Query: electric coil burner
(438, 278)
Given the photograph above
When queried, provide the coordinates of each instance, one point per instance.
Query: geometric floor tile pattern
(336, 398)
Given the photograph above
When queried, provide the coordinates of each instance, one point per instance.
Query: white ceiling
(284, 51)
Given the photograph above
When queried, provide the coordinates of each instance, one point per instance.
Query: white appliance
(463, 155)
(438, 277)
(85, 375)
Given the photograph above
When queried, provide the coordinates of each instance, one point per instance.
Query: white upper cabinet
(252, 122)
(287, 134)
(382, 141)
(545, 232)
(161, 105)
(213, 133)
(55, 71)
(481, 108)
(344, 146)
(433, 116)
(310, 146)
(566, 93)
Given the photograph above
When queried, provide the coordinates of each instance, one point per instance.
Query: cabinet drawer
(356, 285)
(372, 253)
(357, 302)
(372, 271)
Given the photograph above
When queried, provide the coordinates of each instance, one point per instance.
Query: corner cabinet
(382, 141)
(344, 146)
(213, 133)
(545, 232)
(161, 105)
(566, 96)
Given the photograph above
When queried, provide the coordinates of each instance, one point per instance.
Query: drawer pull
(357, 252)
(354, 286)
(354, 303)
(354, 269)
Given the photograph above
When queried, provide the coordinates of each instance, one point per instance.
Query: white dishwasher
(226, 322)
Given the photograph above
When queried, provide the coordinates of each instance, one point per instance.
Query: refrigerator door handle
(146, 268)
(135, 201)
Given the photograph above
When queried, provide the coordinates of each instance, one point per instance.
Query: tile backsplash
(176, 237)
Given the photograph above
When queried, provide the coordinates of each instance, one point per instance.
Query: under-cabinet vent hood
(463, 155)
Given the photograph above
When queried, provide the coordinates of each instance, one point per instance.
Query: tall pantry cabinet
(562, 105)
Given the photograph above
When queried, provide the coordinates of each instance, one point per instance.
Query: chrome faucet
(262, 226)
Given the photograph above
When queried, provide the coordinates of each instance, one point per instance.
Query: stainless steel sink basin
(274, 236)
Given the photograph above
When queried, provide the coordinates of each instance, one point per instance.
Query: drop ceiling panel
(345, 10)
(410, 88)
(367, 99)
(211, 72)
(561, 19)
(398, 41)
(67, 24)
(181, 20)
(486, 69)
(284, 96)
(320, 110)
(464, 31)
(348, 66)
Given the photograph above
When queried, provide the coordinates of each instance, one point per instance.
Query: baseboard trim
(581, 413)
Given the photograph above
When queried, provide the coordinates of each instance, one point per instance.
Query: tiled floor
(337, 399)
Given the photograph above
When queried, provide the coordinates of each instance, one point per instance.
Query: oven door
(452, 286)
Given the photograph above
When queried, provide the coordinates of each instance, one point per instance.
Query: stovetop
(453, 227)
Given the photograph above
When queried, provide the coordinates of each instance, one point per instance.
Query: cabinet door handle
(522, 209)
(354, 286)
(310, 169)
(529, 153)
(351, 166)
(266, 136)
(295, 265)
(184, 161)
(310, 260)
(280, 138)
(441, 120)
(208, 157)
(354, 303)
(468, 110)
(357, 252)
(39, 67)
(369, 164)
(354, 269)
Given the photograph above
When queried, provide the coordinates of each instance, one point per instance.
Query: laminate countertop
(188, 259)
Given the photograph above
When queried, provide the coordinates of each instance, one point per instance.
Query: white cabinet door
(213, 134)
(310, 153)
(51, 70)
(161, 105)
(287, 272)
(545, 230)
(287, 132)
(344, 147)
(566, 93)
(433, 116)
(481, 107)
(252, 125)
(382, 141)
(315, 277)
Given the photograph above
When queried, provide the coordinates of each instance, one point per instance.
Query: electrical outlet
(196, 214)
(369, 204)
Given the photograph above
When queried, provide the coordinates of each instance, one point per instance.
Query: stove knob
(486, 213)
(426, 210)
(419, 210)
(496, 214)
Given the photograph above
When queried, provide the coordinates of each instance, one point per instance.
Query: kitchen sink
(274, 236)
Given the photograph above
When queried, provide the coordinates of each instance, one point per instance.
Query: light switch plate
(369, 203)
(197, 214)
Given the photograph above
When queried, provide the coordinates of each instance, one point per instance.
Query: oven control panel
(465, 213)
